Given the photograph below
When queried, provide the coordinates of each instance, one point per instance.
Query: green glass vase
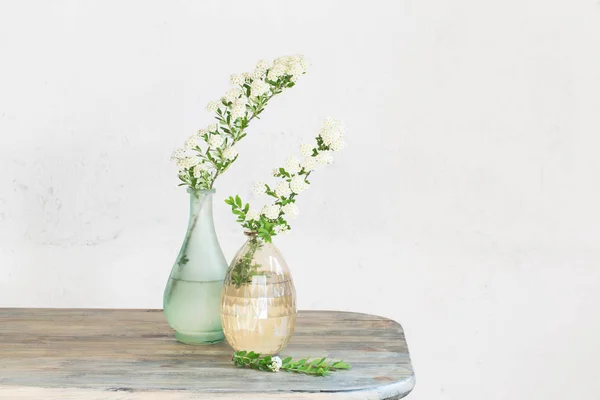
(192, 298)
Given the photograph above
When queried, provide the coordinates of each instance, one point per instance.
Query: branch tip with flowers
(293, 180)
(316, 367)
(211, 151)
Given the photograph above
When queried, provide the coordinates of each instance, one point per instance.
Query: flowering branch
(201, 163)
(317, 367)
(272, 219)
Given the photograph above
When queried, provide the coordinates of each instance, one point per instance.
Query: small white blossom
(200, 168)
(237, 79)
(238, 112)
(261, 68)
(283, 189)
(215, 141)
(230, 153)
(188, 162)
(332, 131)
(202, 132)
(295, 69)
(324, 158)
(276, 364)
(252, 215)
(290, 210)
(306, 150)
(212, 128)
(298, 184)
(238, 108)
(259, 188)
(233, 94)
(338, 145)
(213, 106)
(292, 165)
(276, 71)
(309, 164)
(191, 142)
(247, 75)
(258, 88)
(271, 211)
(177, 155)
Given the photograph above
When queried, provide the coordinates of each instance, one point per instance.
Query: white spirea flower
(247, 75)
(324, 158)
(271, 211)
(238, 112)
(233, 94)
(258, 88)
(298, 184)
(252, 215)
(212, 128)
(294, 65)
(200, 168)
(304, 63)
(306, 150)
(276, 172)
(338, 145)
(276, 71)
(177, 155)
(295, 69)
(188, 162)
(332, 131)
(213, 106)
(283, 189)
(276, 364)
(191, 142)
(215, 140)
(230, 153)
(292, 165)
(238, 108)
(261, 68)
(290, 210)
(202, 132)
(309, 164)
(259, 188)
(237, 79)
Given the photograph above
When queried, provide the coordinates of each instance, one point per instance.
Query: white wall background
(466, 206)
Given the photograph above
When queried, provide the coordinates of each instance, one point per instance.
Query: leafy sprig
(261, 227)
(315, 367)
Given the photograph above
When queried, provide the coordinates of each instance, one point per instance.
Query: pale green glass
(192, 298)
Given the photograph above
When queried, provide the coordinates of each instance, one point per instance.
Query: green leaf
(238, 201)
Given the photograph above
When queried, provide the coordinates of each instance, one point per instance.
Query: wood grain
(132, 354)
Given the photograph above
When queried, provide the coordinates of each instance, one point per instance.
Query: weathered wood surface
(132, 354)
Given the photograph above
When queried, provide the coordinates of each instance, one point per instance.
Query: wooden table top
(132, 354)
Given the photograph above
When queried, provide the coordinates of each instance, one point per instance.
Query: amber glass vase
(258, 300)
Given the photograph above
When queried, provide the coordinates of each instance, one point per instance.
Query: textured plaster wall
(465, 207)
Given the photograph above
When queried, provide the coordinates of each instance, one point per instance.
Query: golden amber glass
(258, 300)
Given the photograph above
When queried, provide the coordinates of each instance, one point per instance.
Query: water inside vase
(192, 309)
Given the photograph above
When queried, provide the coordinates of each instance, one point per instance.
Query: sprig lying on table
(316, 367)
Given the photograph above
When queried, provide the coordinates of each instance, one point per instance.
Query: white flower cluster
(276, 364)
(271, 211)
(288, 65)
(332, 133)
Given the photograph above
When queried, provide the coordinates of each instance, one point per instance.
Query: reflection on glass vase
(192, 298)
(259, 299)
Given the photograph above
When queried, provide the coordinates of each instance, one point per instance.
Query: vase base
(200, 339)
